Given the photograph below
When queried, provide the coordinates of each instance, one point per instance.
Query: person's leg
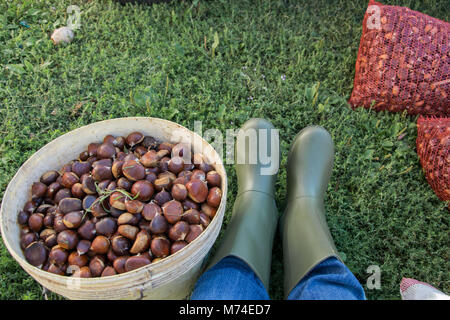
(329, 280)
(251, 229)
(230, 279)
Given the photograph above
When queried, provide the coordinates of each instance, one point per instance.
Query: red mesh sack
(433, 146)
(403, 62)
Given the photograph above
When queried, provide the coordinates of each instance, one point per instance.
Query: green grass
(158, 61)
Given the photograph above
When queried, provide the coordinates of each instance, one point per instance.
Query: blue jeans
(232, 279)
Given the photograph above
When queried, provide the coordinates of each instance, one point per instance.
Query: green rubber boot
(306, 238)
(250, 232)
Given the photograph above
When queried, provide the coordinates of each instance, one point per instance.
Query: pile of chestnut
(124, 203)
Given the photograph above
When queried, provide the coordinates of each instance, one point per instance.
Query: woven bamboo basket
(169, 278)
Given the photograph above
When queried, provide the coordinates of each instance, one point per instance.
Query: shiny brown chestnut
(36, 222)
(194, 231)
(143, 190)
(117, 200)
(128, 231)
(159, 225)
(120, 245)
(75, 259)
(67, 205)
(100, 245)
(36, 253)
(127, 218)
(172, 211)
(160, 246)
(108, 271)
(214, 197)
(213, 179)
(68, 239)
(106, 151)
(136, 262)
(49, 177)
(97, 265)
(150, 210)
(87, 230)
(162, 197)
(179, 231)
(208, 210)
(83, 272)
(133, 170)
(69, 179)
(191, 216)
(38, 190)
(141, 243)
(58, 255)
(177, 246)
(197, 190)
(134, 138)
(83, 246)
(179, 192)
(73, 219)
(119, 264)
(106, 226)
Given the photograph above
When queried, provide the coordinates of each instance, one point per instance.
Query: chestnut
(53, 268)
(200, 162)
(97, 265)
(176, 164)
(88, 201)
(92, 149)
(208, 210)
(30, 207)
(119, 142)
(151, 210)
(119, 264)
(36, 253)
(73, 220)
(134, 138)
(150, 176)
(87, 230)
(52, 189)
(142, 190)
(49, 177)
(38, 190)
(81, 167)
(198, 174)
(49, 220)
(197, 190)
(141, 243)
(75, 259)
(150, 159)
(164, 164)
(77, 190)
(67, 205)
(101, 173)
(83, 272)
(120, 245)
(62, 194)
(159, 224)
(100, 245)
(36, 222)
(136, 262)
(139, 151)
(213, 179)
(162, 183)
(88, 185)
(133, 170)
(128, 231)
(58, 223)
(114, 212)
(172, 211)
(189, 204)
(214, 197)
(22, 218)
(83, 246)
(127, 218)
(106, 226)
(160, 247)
(83, 156)
(134, 206)
(97, 209)
(124, 183)
(117, 200)
(68, 239)
(149, 142)
(204, 220)
(58, 255)
(116, 168)
(108, 271)
(27, 239)
(162, 197)
(106, 151)
(177, 246)
(111, 255)
(179, 192)
(192, 216)
(69, 179)
(194, 231)
(179, 231)
(165, 146)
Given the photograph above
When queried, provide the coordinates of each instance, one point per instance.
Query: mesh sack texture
(403, 62)
(433, 149)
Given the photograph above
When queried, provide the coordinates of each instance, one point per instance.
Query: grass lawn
(291, 62)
